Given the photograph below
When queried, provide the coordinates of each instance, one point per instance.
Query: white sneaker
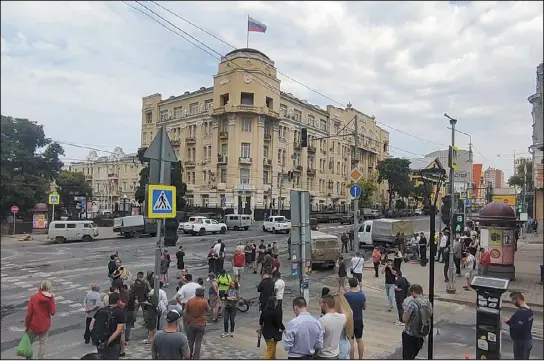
(397, 323)
(224, 334)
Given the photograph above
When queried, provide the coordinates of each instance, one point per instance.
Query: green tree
(368, 188)
(70, 185)
(396, 172)
(417, 192)
(175, 176)
(520, 179)
(29, 163)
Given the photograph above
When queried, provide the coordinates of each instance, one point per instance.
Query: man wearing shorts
(357, 301)
(238, 261)
(357, 263)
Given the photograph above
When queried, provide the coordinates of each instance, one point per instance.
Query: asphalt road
(71, 267)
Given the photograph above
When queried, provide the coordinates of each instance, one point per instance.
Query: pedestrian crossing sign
(161, 201)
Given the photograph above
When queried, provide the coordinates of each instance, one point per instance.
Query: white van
(238, 221)
(61, 231)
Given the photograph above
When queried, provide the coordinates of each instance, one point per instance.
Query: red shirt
(485, 260)
(238, 260)
(41, 307)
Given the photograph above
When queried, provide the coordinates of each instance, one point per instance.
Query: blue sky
(81, 68)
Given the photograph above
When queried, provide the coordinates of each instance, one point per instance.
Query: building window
(247, 98)
(244, 175)
(193, 108)
(224, 149)
(224, 126)
(246, 124)
(194, 177)
(283, 110)
(223, 199)
(148, 117)
(266, 179)
(204, 176)
(178, 112)
(205, 200)
(266, 151)
(163, 115)
(269, 103)
(279, 155)
(208, 104)
(311, 121)
(298, 115)
(245, 150)
(224, 99)
(223, 175)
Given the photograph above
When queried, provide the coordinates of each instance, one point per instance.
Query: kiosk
(488, 316)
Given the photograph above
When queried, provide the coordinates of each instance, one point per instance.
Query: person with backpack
(417, 318)
(107, 327)
(401, 287)
(140, 288)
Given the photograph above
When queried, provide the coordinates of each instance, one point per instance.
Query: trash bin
(542, 273)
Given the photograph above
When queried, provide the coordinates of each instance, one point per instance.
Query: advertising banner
(508, 199)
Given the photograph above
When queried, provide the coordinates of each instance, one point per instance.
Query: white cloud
(82, 67)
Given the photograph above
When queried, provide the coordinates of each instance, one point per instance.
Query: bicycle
(242, 305)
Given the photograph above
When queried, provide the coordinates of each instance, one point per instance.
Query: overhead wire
(291, 78)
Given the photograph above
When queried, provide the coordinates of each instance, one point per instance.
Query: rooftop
(248, 50)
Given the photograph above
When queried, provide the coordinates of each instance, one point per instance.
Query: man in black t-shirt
(422, 246)
(109, 338)
(260, 257)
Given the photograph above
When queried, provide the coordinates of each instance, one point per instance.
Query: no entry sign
(14, 209)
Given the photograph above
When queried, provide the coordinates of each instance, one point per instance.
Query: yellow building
(239, 141)
(113, 178)
(419, 164)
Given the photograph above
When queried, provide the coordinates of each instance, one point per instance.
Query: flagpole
(247, 38)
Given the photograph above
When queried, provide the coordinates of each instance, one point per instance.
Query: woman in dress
(341, 305)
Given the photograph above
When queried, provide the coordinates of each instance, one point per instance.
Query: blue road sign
(161, 201)
(355, 191)
(54, 198)
(83, 205)
(467, 202)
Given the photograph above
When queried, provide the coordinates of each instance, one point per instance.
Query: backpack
(101, 330)
(420, 326)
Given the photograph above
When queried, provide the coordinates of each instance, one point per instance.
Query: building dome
(40, 207)
(247, 50)
(498, 210)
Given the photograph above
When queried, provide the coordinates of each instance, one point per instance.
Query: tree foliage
(520, 179)
(181, 188)
(417, 192)
(29, 163)
(71, 184)
(368, 188)
(396, 172)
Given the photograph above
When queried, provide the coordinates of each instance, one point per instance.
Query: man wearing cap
(170, 344)
(194, 315)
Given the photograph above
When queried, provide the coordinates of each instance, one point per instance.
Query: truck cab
(325, 248)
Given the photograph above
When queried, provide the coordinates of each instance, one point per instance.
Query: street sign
(14, 209)
(54, 198)
(355, 175)
(463, 195)
(83, 205)
(452, 157)
(161, 143)
(459, 222)
(355, 191)
(467, 202)
(162, 201)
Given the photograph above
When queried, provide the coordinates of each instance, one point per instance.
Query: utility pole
(280, 206)
(450, 288)
(356, 199)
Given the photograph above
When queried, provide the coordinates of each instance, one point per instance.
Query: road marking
(77, 305)
(65, 302)
(83, 288)
(16, 329)
(58, 298)
(23, 284)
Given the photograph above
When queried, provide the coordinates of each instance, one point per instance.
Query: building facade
(495, 177)
(537, 148)
(113, 178)
(463, 173)
(239, 141)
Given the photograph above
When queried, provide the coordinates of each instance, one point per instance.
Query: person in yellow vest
(223, 280)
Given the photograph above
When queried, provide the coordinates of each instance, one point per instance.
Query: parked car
(277, 224)
(203, 226)
(62, 231)
(238, 221)
(187, 227)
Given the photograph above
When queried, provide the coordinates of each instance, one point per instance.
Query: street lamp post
(432, 183)
(124, 205)
(451, 286)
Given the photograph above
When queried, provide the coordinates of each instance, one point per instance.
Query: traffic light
(459, 222)
(445, 210)
(304, 137)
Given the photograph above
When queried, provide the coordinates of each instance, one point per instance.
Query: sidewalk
(528, 259)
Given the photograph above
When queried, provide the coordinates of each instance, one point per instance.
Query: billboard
(508, 199)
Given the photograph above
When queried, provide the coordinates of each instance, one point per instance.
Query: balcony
(268, 137)
(190, 140)
(244, 160)
(310, 171)
(222, 159)
(189, 164)
(355, 160)
(244, 187)
(175, 142)
(311, 149)
(272, 113)
(88, 177)
(298, 168)
(267, 162)
(224, 135)
(113, 175)
(297, 145)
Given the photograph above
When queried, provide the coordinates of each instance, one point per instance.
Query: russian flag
(254, 25)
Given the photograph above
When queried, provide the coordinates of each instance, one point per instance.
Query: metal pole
(304, 286)
(14, 223)
(53, 213)
(450, 288)
(431, 273)
(281, 187)
(162, 165)
(356, 200)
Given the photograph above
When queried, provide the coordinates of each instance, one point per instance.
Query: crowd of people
(338, 334)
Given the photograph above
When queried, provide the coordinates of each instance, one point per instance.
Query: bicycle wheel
(242, 305)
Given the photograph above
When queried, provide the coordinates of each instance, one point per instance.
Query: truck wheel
(223, 230)
(202, 231)
(236, 228)
(246, 228)
(60, 239)
(87, 238)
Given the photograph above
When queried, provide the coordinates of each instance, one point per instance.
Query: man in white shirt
(219, 247)
(279, 289)
(163, 304)
(333, 324)
(441, 247)
(357, 263)
(186, 291)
